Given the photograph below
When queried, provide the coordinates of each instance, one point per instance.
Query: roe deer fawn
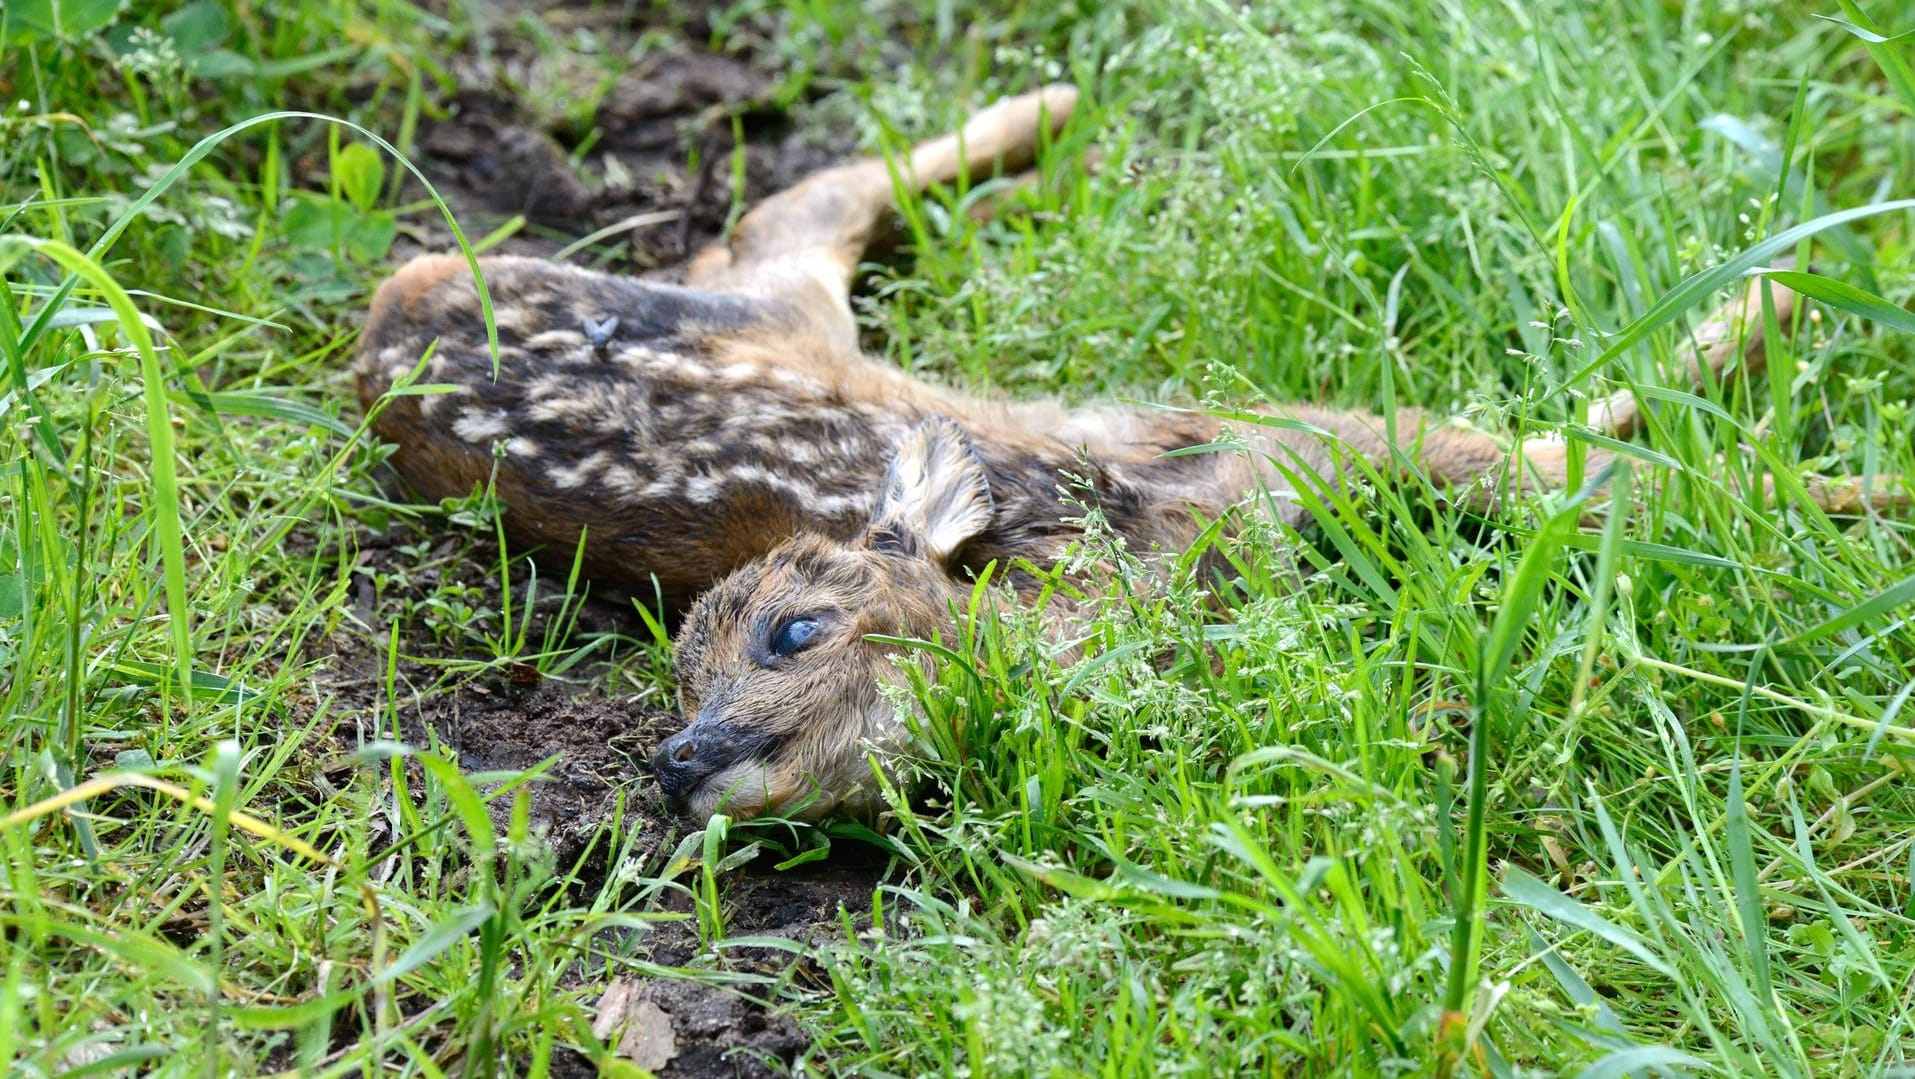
(727, 444)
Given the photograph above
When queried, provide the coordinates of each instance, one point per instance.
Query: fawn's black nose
(681, 766)
(702, 750)
(706, 748)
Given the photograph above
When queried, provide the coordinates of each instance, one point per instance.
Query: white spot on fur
(556, 339)
(476, 426)
(673, 365)
(761, 417)
(626, 481)
(560, 409)
(547, 386)
(788, 377)
(822, 505)
(742, 372)
(702, 489)
(510, 319)
(754, 474)
(578, 474)
(835, 505)
(636, 356)
(430, 403)
(798, 451)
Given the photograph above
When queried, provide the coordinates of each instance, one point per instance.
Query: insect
(739, 457)
(599, 333)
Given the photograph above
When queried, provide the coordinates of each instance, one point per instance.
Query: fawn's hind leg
(1473, 461)
(803, 244)
(1733, 331)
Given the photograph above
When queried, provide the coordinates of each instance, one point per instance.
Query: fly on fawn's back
(726, 447)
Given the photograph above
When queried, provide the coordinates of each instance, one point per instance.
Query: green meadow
(1614, 781)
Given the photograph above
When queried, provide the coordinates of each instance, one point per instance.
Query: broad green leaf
(1869, 35)
(222, 64)
(290, 1016)
(1844, 296)
(67, 20)
(360, 173)
(197, 28)
(1070, 883)
(1525, 890)
(1157, 884)
(167, 538)
(135, 949)
(370, 236)
(1573, 985)
(253, 403)
(317, 223)
(299, 65)
(1767, 159)
(464, 801)
(124, 1062)
(1655, 552)
(1882, 47)
(1523, 592)
(1740, 836)
(199, 151)
(1685, 399)
(1625, 449)
(443, 935)
(313, 222)
(206, 684)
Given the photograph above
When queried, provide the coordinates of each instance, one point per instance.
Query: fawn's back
(680, 430)
(684, 432)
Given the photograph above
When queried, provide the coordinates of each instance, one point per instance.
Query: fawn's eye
(793, 635)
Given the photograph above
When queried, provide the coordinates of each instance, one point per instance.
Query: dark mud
(678, 142)
(732, 1031)
(596, 745)
(646, 136)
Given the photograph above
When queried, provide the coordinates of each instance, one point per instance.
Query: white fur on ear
(936, 496)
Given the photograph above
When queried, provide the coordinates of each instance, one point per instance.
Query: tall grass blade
(1844, 297)
(1883, 48)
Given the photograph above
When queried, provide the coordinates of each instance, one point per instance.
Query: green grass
(1519, 795)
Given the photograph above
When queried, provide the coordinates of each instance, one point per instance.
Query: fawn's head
(773, 663)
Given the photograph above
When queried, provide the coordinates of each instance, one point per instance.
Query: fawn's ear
(936, 496)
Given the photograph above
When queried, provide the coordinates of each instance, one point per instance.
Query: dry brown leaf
(644, 1029)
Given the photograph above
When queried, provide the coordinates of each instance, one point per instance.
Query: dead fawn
(727, 445)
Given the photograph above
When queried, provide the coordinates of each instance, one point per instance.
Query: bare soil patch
(680, 140)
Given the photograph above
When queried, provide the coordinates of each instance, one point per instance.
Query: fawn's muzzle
(700, 751)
